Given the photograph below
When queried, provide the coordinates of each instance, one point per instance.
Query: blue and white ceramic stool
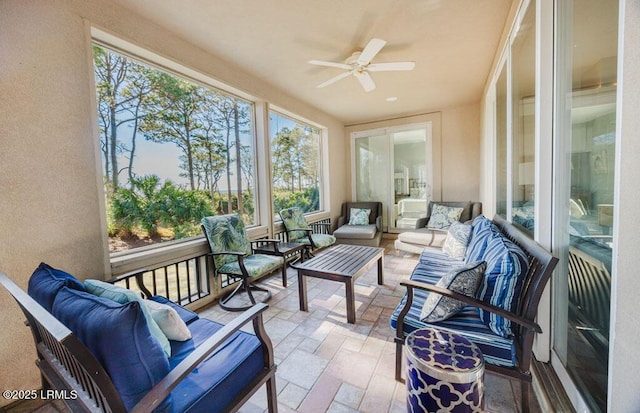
(445, 372)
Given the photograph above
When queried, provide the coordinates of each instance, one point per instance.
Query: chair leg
(243, 286)
(399, 362)
(272, 396)
(525, 395)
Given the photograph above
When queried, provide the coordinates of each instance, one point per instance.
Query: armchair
(298, 230)
(369, 234)
(232, 254)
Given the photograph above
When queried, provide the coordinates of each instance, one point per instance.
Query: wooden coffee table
(343, 263)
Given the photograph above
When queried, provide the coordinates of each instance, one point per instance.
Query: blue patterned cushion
(226, 233)
(455, 245)
(464, 280)
(443, 216)
(507, 265)
(359, 216)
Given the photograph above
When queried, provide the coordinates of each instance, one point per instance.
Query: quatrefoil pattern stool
(445, 373)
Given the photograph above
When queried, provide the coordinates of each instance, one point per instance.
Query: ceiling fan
(359, 65)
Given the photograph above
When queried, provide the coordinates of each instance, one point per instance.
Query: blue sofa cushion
(119, 338)
(215, 383)
(507, 265)
(46, 281)
(122, 295)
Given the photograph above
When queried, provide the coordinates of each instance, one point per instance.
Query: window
(523, 57)
(295, 164)
(173, 151)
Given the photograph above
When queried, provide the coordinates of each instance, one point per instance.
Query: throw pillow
(117, 336)
(46, 281)
(359, 216)
(464, 280)
(443, 216)
(455, 245)
(123, 296)
(168, 320)
(507, 265)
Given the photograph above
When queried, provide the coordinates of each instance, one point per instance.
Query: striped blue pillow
(507, 266)
(480, 233)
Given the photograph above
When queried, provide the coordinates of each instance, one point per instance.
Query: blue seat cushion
(118, 336)
(46, 281)
(216, 382)
(186, 315)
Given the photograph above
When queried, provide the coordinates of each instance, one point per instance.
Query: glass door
(394, 166)
(371, 171)
(585, 142)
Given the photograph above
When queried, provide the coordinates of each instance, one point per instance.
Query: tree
(121, 88)
(172, 110)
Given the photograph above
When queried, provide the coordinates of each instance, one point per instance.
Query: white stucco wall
(624, 360)
(50, 185)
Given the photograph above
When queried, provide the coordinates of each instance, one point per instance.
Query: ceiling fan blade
(382, 67)
(330, 64)
(366, 81)
(369, 52)
(334, 79)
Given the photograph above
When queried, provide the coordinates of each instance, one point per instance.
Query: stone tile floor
(328, 365)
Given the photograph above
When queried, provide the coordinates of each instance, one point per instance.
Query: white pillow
(168, 320)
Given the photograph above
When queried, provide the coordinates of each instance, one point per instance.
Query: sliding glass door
(585, 143)
(394, 166)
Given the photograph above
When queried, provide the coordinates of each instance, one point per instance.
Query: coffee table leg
(351, 301)
(302, 291)
(380, 275)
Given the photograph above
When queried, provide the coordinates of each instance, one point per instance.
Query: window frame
(261, 226)
(322, 212)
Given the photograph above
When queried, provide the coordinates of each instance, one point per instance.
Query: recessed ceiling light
(391, 99)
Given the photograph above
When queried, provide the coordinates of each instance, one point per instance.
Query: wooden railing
(181, 272)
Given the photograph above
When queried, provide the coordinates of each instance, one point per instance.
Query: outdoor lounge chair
(232, 254)
(298, 230)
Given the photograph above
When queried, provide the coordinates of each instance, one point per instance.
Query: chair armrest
(309, 230)
(528, 324)
(268, 240)
(421, 222)
(341, 221)
(275, 243)
(161, 390)
(379, 223)
(138, 275)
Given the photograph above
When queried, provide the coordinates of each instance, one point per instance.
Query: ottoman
(445, 372)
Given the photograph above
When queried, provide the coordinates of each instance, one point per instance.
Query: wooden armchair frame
(65, 363)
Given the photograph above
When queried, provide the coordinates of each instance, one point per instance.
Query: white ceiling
(453, 43)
